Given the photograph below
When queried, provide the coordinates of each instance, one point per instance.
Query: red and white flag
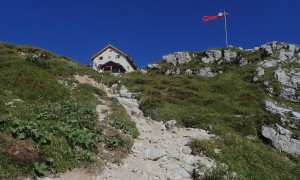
(209, 18)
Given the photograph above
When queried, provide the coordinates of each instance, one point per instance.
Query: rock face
(281, 140)
(206, 72)
(177, 58)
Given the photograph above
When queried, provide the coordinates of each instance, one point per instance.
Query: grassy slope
(55, 126)
(228, 103)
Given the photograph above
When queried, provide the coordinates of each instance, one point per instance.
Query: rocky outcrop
(281, 139)
(177, 58)
(284, 51)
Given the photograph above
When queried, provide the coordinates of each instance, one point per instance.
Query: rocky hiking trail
(160, 152)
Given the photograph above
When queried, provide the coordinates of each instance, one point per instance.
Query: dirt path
(158, 153)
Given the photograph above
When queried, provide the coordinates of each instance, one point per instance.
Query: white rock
(183, 173)
(281, 76)
(186, 150)
(170, 124)
(143, 71)
(295, 114)
(155, 153)
(260, 71)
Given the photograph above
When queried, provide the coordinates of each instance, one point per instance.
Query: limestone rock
(289, 94)
(136, 111)
(212, 56)
(284, 56)
(281, 76)
(143, 71)
(153, 66)
(131, 103)
(124, 92)
(280, 141)
(243, 62)
(155, 153)
(274, 109)
(170, 124)
(188, 71)
(296, 115)
(206, 72)
(187, 150)
(229, 55)
(260, 71)
(268, 63)
(177, 58)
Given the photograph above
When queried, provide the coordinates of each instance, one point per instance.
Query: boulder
(188, 71)
(136, 111)
(131, 103)
(153, 66)
(168, 72)
(124, 92)
(186, 150)
(155, 153)
(268, 63)
(143, 71)
(280, 141)
(243, 62)
(177, 58)
(295, 81)
(281, 76)
(206, 72)
(260, 71)
(212, 56)
(170, 124)
(229, 55)
(267, 50)
(289, 94)
(284, 56)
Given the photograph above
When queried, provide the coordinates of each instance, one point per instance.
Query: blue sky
(145, 29)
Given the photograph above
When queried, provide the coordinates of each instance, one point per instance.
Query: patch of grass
(48, 122)
(121, 120)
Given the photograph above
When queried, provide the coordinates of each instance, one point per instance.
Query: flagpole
(226, 36)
